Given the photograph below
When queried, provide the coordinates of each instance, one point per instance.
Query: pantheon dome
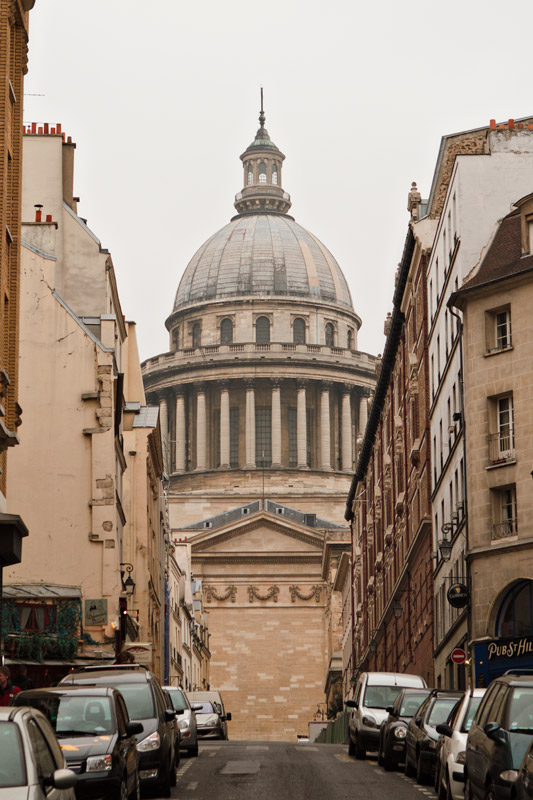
(262, 395)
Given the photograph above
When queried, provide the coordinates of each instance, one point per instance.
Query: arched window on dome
(262, 172)
(515, 617)
(226, 331)
(349, 339)
(176, 338)
(196, 334)
(275, 174)
(330, 334)
(298, 331)
(250, 174)
(262, 330)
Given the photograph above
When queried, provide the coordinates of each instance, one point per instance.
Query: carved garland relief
(272, 593)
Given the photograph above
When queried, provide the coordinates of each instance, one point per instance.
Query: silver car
(31, 761)
(186, 719)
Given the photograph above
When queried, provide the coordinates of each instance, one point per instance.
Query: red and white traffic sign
(458, 656)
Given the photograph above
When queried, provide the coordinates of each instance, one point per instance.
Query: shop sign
(512, 648)
(458, 595)
(96, 612)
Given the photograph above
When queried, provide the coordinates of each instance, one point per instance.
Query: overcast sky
(162, 96)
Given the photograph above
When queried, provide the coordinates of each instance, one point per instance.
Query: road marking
(343, 757)
(300, 747)
(211, 755)
(257, 747)
(192, 786)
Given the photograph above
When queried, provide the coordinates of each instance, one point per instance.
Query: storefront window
(515, 617)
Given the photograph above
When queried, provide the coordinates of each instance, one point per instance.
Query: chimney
(38, 212)
(68, 174)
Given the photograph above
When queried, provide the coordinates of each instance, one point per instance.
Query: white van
(374, 693)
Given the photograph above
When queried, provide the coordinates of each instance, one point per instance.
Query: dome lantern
(262, 192)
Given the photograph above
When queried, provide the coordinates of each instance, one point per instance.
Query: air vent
(208, 524)
(279, 511)
(310, 520)
(245, 510)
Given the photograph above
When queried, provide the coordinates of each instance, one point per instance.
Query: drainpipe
(465, 501)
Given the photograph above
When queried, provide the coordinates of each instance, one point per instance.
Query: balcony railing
(501, 447)
(501, 530)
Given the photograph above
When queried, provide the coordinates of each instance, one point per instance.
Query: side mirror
(418, 721)
(64, 779)
(196, 707)
(180, 711)
(352, 703)
(389, 709)
(133, 728)
(494, 732)
(444, 729)
(170, 716)
(228, 717)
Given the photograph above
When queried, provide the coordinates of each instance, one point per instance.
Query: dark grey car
(186, 719)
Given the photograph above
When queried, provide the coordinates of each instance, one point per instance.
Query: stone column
(181, 439)
(201, 429)
(363, 414)
(163, 420)
(250, 425)
(224, 427)
(301, 427)
(276, 425)
(346, 431)
(325, 429)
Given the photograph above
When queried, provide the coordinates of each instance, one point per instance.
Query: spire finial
(262, 117)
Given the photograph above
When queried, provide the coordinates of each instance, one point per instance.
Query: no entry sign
(458, 656)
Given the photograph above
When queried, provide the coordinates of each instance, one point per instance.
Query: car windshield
(411, 703)
(74, 715)
(381, 696)
(13, 771)
(207, 708)
(178, 699)
(521, 710)
(470, 713)
(440, 710)
(138, 698)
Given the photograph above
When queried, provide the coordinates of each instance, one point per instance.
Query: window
(293, 445)
(504, 512)
(530, 232)
(36, 617)
(262, 172)
(498, 329)
(275, 174)
(501, 442)
(349, 341)
(176, 338)
(226, 331)
(263, 437)
(298, 331)
(196, 334)
(234, 437)
(262, 330)
(330, 334)
(515, 617)
(250, 174)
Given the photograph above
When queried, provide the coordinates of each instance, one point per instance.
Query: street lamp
(128, 585)
(397, 609)
(445, 544)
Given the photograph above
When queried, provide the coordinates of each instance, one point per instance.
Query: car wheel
(489, 793)
(194, 750)
(437, 782)
(380, 754)
(173, 770)
(136, 792)
(164, 787)
(408, 768)
(351, 747)
(468, 790)
(388, 763)
(420, 774)
(360, 752)
(122, 791)
(448, 794)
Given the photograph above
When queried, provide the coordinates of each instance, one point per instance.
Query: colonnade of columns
(324, 421)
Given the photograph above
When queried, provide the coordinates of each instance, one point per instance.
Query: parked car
(374, 693)
(499, 737)
(422, 737)
(186, 719)
(215, 698)
(451, 751)
(209, 719)
(158, 755)
(94, 730)
(31, 762)
(522, 778)
(393, 730)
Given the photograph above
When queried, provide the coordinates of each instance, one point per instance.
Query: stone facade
(262, 394)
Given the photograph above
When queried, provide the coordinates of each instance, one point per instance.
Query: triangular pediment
(261, 533)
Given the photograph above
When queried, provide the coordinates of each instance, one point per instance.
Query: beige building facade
(262, 395)
(91, 449)
(496, 302)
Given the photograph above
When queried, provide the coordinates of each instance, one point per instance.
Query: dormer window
(330, 334)
(298, 331)
(196, 334)
(349, 342)
(250, 174)
(275, 174)
(262, 172)
(262, 330)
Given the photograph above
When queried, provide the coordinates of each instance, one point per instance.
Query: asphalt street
(288, 771)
